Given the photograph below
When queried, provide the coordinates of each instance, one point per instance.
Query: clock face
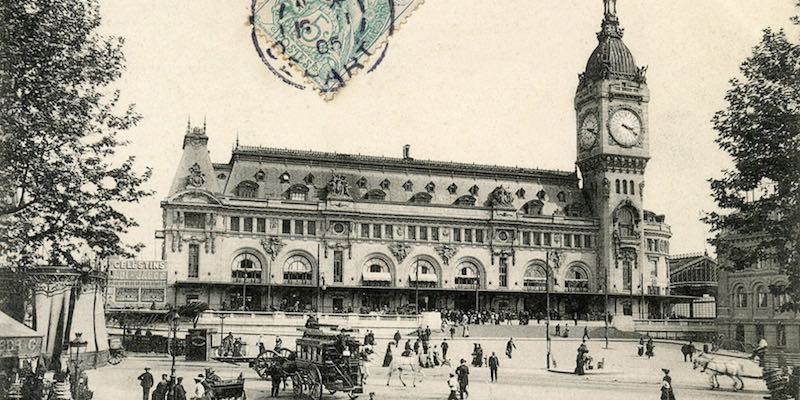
(625, 127)
(587, 135)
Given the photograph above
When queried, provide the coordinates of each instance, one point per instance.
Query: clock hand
(628, 128)
(592, 130)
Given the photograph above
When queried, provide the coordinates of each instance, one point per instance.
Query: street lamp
(221, 330)
(416, 287)
(320, 287)
(174, 318)
(76, 343)
(547, 306)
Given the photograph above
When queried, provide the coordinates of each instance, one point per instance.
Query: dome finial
(610, 7)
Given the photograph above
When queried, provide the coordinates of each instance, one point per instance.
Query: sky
(467, 81)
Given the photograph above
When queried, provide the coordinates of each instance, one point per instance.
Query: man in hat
(146, 382)
(160, 392)
(463, 378)
(453, 384)
(494, 363)
(180, 391)
(199, 392)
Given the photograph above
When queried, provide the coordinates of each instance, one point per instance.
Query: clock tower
(612, 142)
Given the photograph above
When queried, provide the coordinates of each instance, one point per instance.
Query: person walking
(558, 330)
(494, 362)
(510, 346)
(463, 379)
(586, 333)
(445, 346)
(641, 347)
(666, 386)
(452, 331)
(650, 347)
(397, 338)
(466, 331)
(180, 391)
(160, 392)
(580, 360)
(278, 343)
(452, 383)
(146, 382)
(199, 392)
(387, 358)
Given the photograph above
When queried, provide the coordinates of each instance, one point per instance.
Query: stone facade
(313, 230)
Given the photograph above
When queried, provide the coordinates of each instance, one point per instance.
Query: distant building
(694, 274)
(748, 309)
(302, 230)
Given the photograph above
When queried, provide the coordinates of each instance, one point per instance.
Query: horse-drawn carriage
(782, 374)
(325, 359)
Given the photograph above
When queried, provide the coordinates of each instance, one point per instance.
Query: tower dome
(611, 59)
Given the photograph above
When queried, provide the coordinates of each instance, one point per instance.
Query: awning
(376, 276)
(17, 340)
(423, 278)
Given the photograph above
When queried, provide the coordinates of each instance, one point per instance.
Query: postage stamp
(324, 43)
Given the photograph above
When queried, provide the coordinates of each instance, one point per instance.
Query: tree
(760, 195)
(60, 181)
(192, 311)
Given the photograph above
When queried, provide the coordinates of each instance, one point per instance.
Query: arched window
(376, 273)
(297, 192)
(625, 221)
(467, 276)
(247, 189)
(740, 297)
(761, 297)
(617, 185)
(535, 278)
(423, 274)
(421, 198)
(297, 271)
(780, 297)
(533, 207)
(246, 267)
(577, 279)
(632, 190)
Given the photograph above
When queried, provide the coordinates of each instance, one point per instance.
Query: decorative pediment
(195, 196)
(400, 251)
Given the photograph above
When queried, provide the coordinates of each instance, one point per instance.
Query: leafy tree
(760, 195)
(192, 311)
(60, 182)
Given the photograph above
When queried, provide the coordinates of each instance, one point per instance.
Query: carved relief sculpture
(338, 187)
(555, 258)
(400, 251)
(446, 252)
(272, 246)
(500, 197)
(196, 176)
(606, 187)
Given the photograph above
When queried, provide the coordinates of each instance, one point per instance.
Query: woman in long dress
(580, 361)
(387, 358)
(666, 386)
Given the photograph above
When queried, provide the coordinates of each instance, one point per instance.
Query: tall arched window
(740, 297)
(535, 278)
(626, 222)
(297, 270)
(617, 185)
(246, 267)
(761, 297)
(577, 279)
(423, 274)
(467, 276)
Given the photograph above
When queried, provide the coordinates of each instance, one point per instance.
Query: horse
(405, 363)
(730, 368)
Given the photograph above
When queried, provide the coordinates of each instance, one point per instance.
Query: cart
(116, 352)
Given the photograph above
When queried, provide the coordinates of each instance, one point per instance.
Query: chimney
(407, 152)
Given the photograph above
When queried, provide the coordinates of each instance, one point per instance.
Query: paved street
(627, 376)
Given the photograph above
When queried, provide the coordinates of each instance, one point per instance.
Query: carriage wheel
(318, 387)
(265, 362)
(297, 385)
(114, 360)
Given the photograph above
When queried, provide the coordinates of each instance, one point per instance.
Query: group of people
(166, 389)
(231, 347)
(646, 348)
(429, 356)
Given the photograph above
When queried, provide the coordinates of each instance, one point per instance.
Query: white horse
(731, 368)
(401, 364)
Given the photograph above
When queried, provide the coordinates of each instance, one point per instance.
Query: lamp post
(221, 330)
(174, 318)
(76, 343)
(320, 288)
(416, 287)
(547, 306)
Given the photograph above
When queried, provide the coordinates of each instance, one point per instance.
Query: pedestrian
(445, 346)
(580, 360)
(160, 392)
(494, 362)
(666, 386)
(452, 383)
(397, 338)
(463, 379)
(586, 333)
(760, 351)
(180, 391)
(641, 347)
(575, 317)
(452, 331)
(558, 330)
(199, 392)
(387, 358)
(510, 346)
(650, 348)
(146, 382)
(466, 331)
(278, 343)
(275, 377)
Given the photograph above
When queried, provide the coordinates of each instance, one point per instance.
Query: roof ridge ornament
(610, 26)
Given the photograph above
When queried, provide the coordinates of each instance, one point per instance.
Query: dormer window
(247, 189)
(421, 198)
(260, 175)
(284, 177)
(541, 195)
(430, 187)
(452, 189)
(375, 195)
(385, 184)
(562, 197)
(309, 179)
(361, 182)
(297, 193)
(521, 193)
(533, 207)
(408, 186)
(474, 190)
(465, 201)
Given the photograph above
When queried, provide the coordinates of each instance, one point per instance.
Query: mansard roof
(328, 159)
